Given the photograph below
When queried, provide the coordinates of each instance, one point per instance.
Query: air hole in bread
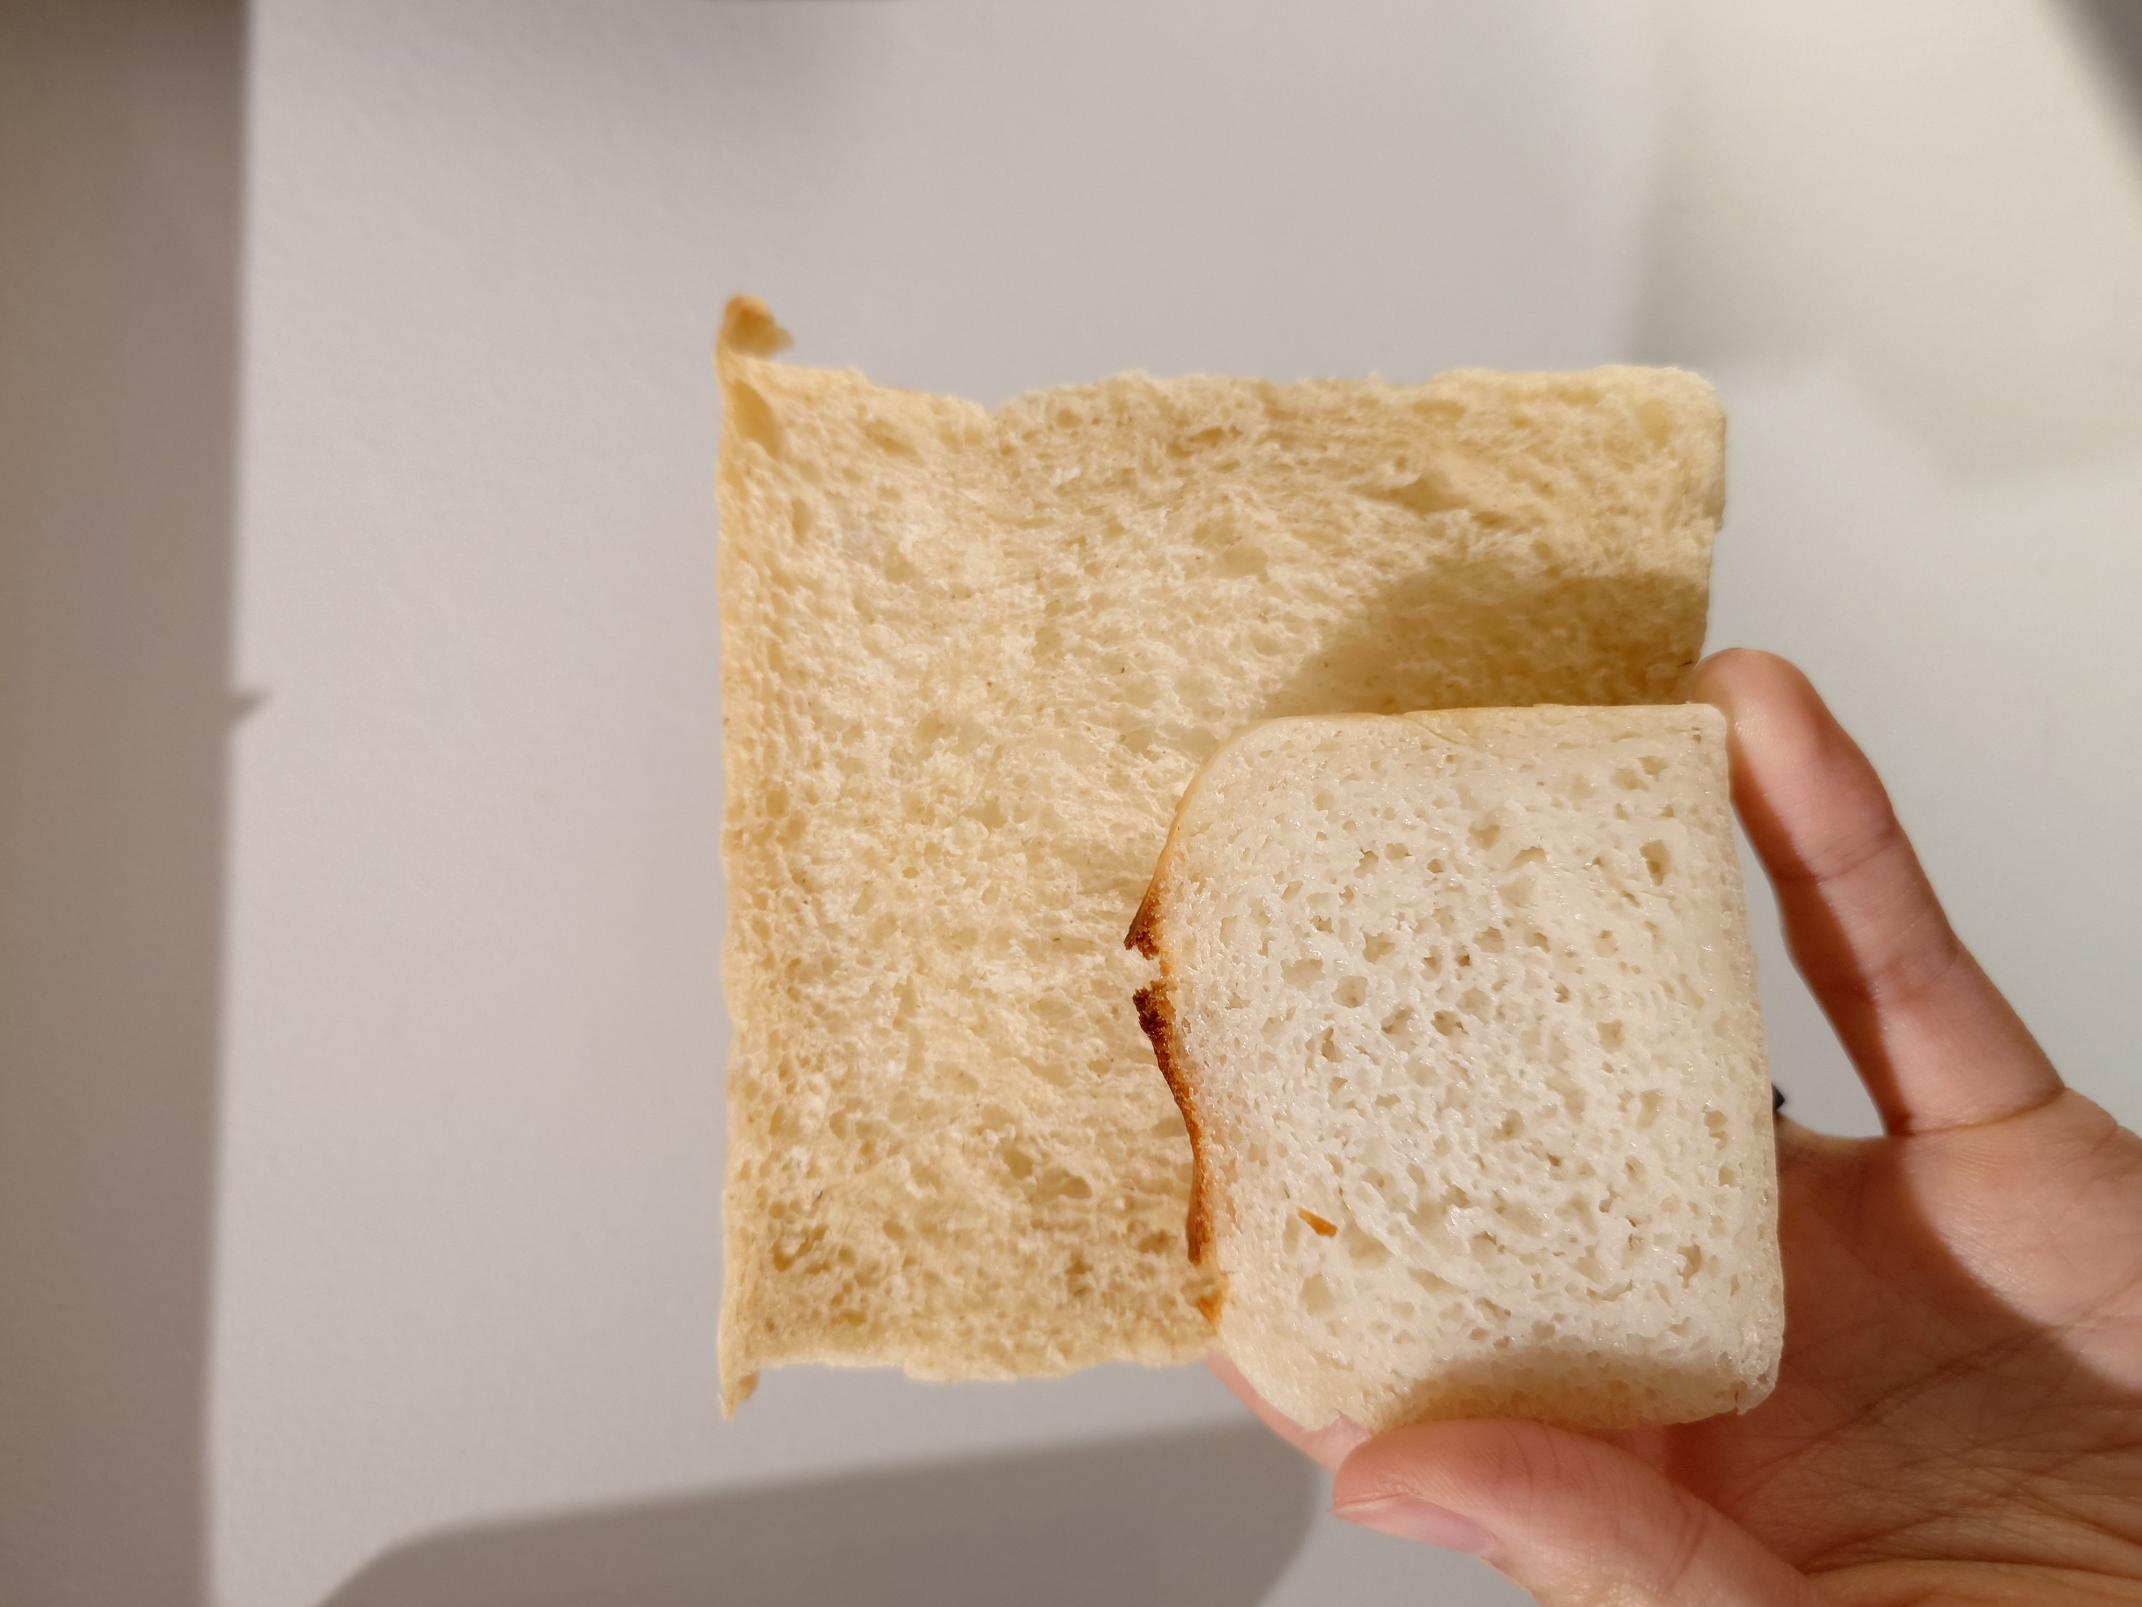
(1061, 1185)
(1521, 1218)
(1363, 1250)
(1426, 495)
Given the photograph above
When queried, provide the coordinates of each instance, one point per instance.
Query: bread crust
(1158, 1020)
(748, 327)
(1157, 1017)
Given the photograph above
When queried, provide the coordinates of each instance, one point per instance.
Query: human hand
(1958, 1415)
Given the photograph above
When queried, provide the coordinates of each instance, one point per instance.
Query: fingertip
(1785, 742)
(1328, 1446)
(1461, 1462)
(1719, 676)
(1407, 1519)
(1739, 680)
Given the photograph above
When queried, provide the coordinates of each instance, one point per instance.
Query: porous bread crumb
(1465, 1008)
(970, 657)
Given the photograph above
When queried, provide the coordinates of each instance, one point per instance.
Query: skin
(1958, 1416)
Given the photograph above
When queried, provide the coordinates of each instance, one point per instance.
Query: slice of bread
(1461, 1010)
(970, 658)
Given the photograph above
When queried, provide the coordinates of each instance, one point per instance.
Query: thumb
(1576, 1521)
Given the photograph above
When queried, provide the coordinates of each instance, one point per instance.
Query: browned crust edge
(1157, 1016)
(1158, 1019)
(1142, 935)
(748, 328)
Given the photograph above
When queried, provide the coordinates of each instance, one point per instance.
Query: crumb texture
(1466, 1007)
(970, 658)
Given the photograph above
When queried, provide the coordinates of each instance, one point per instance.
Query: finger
(1328, 1445)
(1934, 1041)
(1574, 1520)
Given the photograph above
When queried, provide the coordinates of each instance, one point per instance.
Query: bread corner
(748, 328)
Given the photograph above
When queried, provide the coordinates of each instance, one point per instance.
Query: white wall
(362, 1031)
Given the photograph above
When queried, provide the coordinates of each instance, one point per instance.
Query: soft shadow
(2113, 31)
(1199, 1519)
(1441, 639)
(121, 155)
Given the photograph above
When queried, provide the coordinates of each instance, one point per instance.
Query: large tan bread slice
(970, 658)
(1463, 1011)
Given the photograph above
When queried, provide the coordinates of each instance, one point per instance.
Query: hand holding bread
(1958, 1417)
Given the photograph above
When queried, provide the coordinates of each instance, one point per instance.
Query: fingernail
(1417, 1520)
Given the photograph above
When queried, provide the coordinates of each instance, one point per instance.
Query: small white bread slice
(970, 658)
(1461, 1010)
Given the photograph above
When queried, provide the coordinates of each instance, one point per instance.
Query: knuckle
(1889, 970)
(1843, 853)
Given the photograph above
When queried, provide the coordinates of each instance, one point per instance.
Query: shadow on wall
(2113, 30)
(1207, 1518)
(120, 181)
